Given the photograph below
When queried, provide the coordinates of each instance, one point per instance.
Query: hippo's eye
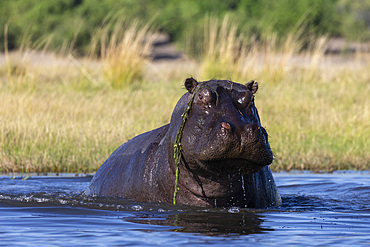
(243, 100)
(205, 96)
(244, 103)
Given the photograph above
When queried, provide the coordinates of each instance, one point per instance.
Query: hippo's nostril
(226, 128)
(252, 127)
(253, 132)
(226, 125)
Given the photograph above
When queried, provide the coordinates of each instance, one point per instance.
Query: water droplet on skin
(234, 210)
(243, 187)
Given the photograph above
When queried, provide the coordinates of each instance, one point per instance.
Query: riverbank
(59, 113)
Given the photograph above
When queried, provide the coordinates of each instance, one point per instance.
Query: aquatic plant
(177, 142)
(177, 147)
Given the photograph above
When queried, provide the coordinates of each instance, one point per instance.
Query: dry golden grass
(124, 51)
(228, 54)
(75, 131)
(60, 113)
(320, 125)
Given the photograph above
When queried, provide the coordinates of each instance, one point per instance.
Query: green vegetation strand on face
(177, 144)
(177, 147)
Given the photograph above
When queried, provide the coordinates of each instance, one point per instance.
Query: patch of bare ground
(168, 63)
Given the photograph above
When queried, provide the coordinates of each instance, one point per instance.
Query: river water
(318, 210)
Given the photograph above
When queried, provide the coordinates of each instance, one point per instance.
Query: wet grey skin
(225, 154)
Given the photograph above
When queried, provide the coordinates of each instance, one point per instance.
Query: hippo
(224, 154)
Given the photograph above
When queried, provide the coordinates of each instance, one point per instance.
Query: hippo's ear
(190, 84)
(252, 86)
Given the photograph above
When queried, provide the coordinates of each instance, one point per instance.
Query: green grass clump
(124, 51)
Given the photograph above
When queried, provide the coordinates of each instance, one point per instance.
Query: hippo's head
(223, 133)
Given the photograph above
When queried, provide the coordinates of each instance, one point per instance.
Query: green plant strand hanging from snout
(177, 144)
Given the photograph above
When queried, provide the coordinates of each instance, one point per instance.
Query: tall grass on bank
(125, 49)
(223, 50)
(233, 55)
(16, 72)
(314, 107)
(319, 125)
(322, 125)
(75, 131)
(119, 55)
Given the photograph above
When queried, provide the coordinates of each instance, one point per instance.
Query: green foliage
(69, 24)
(356, 23)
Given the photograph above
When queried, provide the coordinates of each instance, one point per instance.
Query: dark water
(318, 209)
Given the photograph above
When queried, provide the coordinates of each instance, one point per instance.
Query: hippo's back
(132, 169)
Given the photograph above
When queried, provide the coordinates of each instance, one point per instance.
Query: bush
(356, 25)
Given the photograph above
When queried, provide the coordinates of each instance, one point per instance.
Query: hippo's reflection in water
(207, 223)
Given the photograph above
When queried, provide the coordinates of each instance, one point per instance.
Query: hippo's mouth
(234, 165)
(246, 156)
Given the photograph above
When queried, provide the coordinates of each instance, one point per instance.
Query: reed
(233, 55)
(125, 49)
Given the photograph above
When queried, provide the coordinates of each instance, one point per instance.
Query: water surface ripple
(318, 209)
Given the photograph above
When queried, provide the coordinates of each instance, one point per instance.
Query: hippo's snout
(249, 133)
